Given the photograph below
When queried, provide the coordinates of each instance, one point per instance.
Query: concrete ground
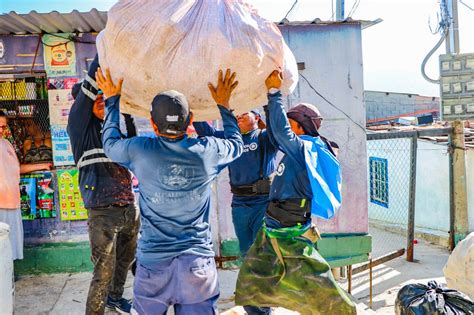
(65, 294)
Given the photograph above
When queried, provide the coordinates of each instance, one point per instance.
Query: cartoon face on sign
(59, 56)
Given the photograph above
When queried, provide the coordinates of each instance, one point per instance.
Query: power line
(466, 5)
(330, 103)
(354, 8)
(291, 9)
(443, 28)
(332, 10)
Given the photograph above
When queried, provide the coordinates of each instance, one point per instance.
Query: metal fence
(392, 164)
(25, 102)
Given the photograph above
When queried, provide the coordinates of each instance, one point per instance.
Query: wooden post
(412, 198)
(370, 283)
(459, 212)
(349, 279)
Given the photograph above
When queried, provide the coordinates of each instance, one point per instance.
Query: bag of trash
(432, 299)
(283, 268)
(181, 44)
(459, 270)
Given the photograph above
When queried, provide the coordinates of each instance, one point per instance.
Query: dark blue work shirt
(291, 177)
(247, 169)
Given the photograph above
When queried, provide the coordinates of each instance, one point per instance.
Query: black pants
(113, 237)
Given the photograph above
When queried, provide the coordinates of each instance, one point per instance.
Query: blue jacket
(247, 169)
(102, 182)
(301, 157)
(175, 179)
(291, 178)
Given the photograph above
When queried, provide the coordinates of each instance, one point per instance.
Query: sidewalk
(64, 294)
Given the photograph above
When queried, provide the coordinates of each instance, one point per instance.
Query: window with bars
(378, 170)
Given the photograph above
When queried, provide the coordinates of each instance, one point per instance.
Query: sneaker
(123, 306)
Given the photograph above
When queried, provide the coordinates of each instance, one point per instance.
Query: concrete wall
(432, 188)
(387, 104)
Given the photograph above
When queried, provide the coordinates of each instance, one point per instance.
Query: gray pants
(188, 282)
(113, 237)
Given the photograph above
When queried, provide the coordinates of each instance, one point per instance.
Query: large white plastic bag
(180, 44)
(459, 270)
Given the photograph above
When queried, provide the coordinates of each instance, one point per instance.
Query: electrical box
(457, 86)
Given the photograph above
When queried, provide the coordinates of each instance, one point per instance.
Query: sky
(393, 50)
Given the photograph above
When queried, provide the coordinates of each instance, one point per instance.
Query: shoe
(123, 306)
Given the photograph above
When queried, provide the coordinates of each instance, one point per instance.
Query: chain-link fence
(390, 181)
(392, 169)
(26, 104)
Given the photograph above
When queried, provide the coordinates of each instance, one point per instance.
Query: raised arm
(271, 139)
(280, 127)
(230, 148)
(203, 129)
(81, 110)
(115, 147)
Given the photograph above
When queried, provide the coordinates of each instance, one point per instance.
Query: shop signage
(70, 200)
(37, 196)
(59, 54)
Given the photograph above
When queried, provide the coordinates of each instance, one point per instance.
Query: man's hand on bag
(274, 80)
(106, 84)
(225, 86)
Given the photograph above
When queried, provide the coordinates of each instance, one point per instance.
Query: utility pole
(452, 40)
(340, 10)
(458, 188)
(459, 225)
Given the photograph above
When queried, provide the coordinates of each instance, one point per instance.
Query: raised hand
(225, 86)
(274, 80)
(106, 84)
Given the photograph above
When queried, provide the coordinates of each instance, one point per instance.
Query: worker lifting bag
(181, 44)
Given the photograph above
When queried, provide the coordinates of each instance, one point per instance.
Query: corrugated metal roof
(364, 23)
(53, 22)
(95, 20)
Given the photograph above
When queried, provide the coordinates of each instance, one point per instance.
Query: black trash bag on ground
(432, 299)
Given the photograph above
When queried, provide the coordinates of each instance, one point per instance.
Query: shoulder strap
(328, 145)
(262, 153)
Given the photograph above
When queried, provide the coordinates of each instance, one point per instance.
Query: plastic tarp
(288, 271)
(181, 45)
